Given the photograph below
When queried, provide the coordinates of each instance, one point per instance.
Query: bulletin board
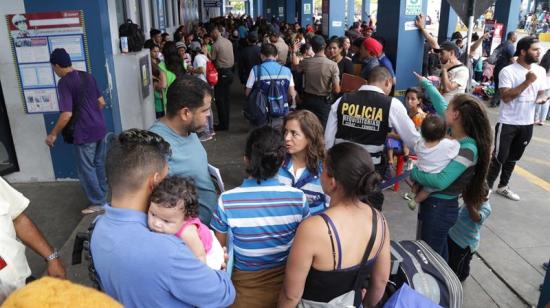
(33, 37)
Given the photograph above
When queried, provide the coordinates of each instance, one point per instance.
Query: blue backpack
(260, 107)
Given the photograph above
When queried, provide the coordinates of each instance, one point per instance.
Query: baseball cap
(60, 57)
(524, 44)
(373, 46)
(180, 45)
(448, 46)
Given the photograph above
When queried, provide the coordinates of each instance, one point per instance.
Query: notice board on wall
(33, 37)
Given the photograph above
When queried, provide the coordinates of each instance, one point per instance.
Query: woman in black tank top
(346, 246)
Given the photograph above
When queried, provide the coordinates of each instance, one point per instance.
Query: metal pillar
(365, 10)
(333, 17)
(351, 12)
(507, 12)
(404, 42)
(447, 21)
(306, 12)
(290, 11)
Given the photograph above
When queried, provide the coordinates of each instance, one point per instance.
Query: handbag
(351, 298)
(68, 130)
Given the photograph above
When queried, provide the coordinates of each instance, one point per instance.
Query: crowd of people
(306, 223)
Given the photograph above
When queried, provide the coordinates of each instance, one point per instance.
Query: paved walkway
(514, 242)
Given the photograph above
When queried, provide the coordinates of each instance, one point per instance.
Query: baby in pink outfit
(174, 210)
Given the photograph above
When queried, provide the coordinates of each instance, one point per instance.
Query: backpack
(276, 104)
(260, 106)
(134, 34)
(255, 107)
(493, 58)
(211, 73)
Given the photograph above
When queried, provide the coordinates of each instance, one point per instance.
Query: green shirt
(170, 77)
(456, 175)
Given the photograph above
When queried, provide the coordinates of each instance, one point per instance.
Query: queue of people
(316, 166)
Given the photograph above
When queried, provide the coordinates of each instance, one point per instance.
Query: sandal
(92, 209)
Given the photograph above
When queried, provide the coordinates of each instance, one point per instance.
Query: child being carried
(174, 210)
(434, 153)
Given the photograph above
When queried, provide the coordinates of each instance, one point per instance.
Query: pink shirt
(204, 233)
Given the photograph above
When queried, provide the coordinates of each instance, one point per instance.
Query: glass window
(121, 13)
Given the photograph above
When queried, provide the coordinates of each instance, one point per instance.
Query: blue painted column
(306, 12)
(290, 11)
(507, 12)
(404, 42)
(257, 7)
(351, 12)
(365, 10)
(98, 32)
(447, 21)
(333, 21)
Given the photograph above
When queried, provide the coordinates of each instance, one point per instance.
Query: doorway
(8, 159)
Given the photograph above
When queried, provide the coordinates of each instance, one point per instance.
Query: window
(121, 12)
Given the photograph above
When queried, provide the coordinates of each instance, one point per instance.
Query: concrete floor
(514, 242)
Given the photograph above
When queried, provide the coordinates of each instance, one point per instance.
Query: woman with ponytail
(263, 216)
(464, 175)
(339, 250)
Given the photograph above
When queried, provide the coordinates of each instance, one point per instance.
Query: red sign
(40, 21)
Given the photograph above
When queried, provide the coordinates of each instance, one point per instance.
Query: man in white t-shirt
(14, 269)
(522, 85)
(200, 61)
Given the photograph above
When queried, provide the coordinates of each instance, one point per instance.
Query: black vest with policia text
(363, 118)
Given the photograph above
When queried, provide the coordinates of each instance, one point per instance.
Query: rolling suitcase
(418, 265)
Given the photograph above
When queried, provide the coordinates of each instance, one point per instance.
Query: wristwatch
(53, 256)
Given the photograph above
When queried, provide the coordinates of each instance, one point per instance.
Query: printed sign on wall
(33, 37)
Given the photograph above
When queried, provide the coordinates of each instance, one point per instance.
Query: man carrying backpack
(275, 83)
(503, 56)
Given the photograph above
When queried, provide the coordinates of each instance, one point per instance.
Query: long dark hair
(475, 123)
(313, 130)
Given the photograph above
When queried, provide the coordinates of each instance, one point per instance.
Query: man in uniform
(366, 117)
(321, 79)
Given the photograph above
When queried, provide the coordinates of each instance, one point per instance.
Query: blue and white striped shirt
(263, 219)
(465, 232)
(309, 183)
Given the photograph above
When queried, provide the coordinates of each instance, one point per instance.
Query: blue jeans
(90, 166)
(435, 218)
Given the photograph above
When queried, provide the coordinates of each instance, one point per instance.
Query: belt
(319, 96)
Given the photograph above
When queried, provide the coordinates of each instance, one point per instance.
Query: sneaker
(412, 204)
(92, 209)
(545, 266)
(508, 193)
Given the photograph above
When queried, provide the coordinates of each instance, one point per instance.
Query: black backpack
(134, 34)
(255, 107)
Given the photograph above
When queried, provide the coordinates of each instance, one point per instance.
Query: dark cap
(317, 43)
(252, 36)
(448, 46)
(60, 57)
(274, 32)
(524, 44)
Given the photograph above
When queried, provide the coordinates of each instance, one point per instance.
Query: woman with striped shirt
(262, 215)
(304, 140)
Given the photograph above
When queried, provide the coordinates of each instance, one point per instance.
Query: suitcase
(418, 265)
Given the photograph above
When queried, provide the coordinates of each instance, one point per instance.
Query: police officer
(366, 117)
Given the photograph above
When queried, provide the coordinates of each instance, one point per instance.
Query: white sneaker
(508, 193)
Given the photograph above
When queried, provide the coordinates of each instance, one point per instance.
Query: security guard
(366, 117)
